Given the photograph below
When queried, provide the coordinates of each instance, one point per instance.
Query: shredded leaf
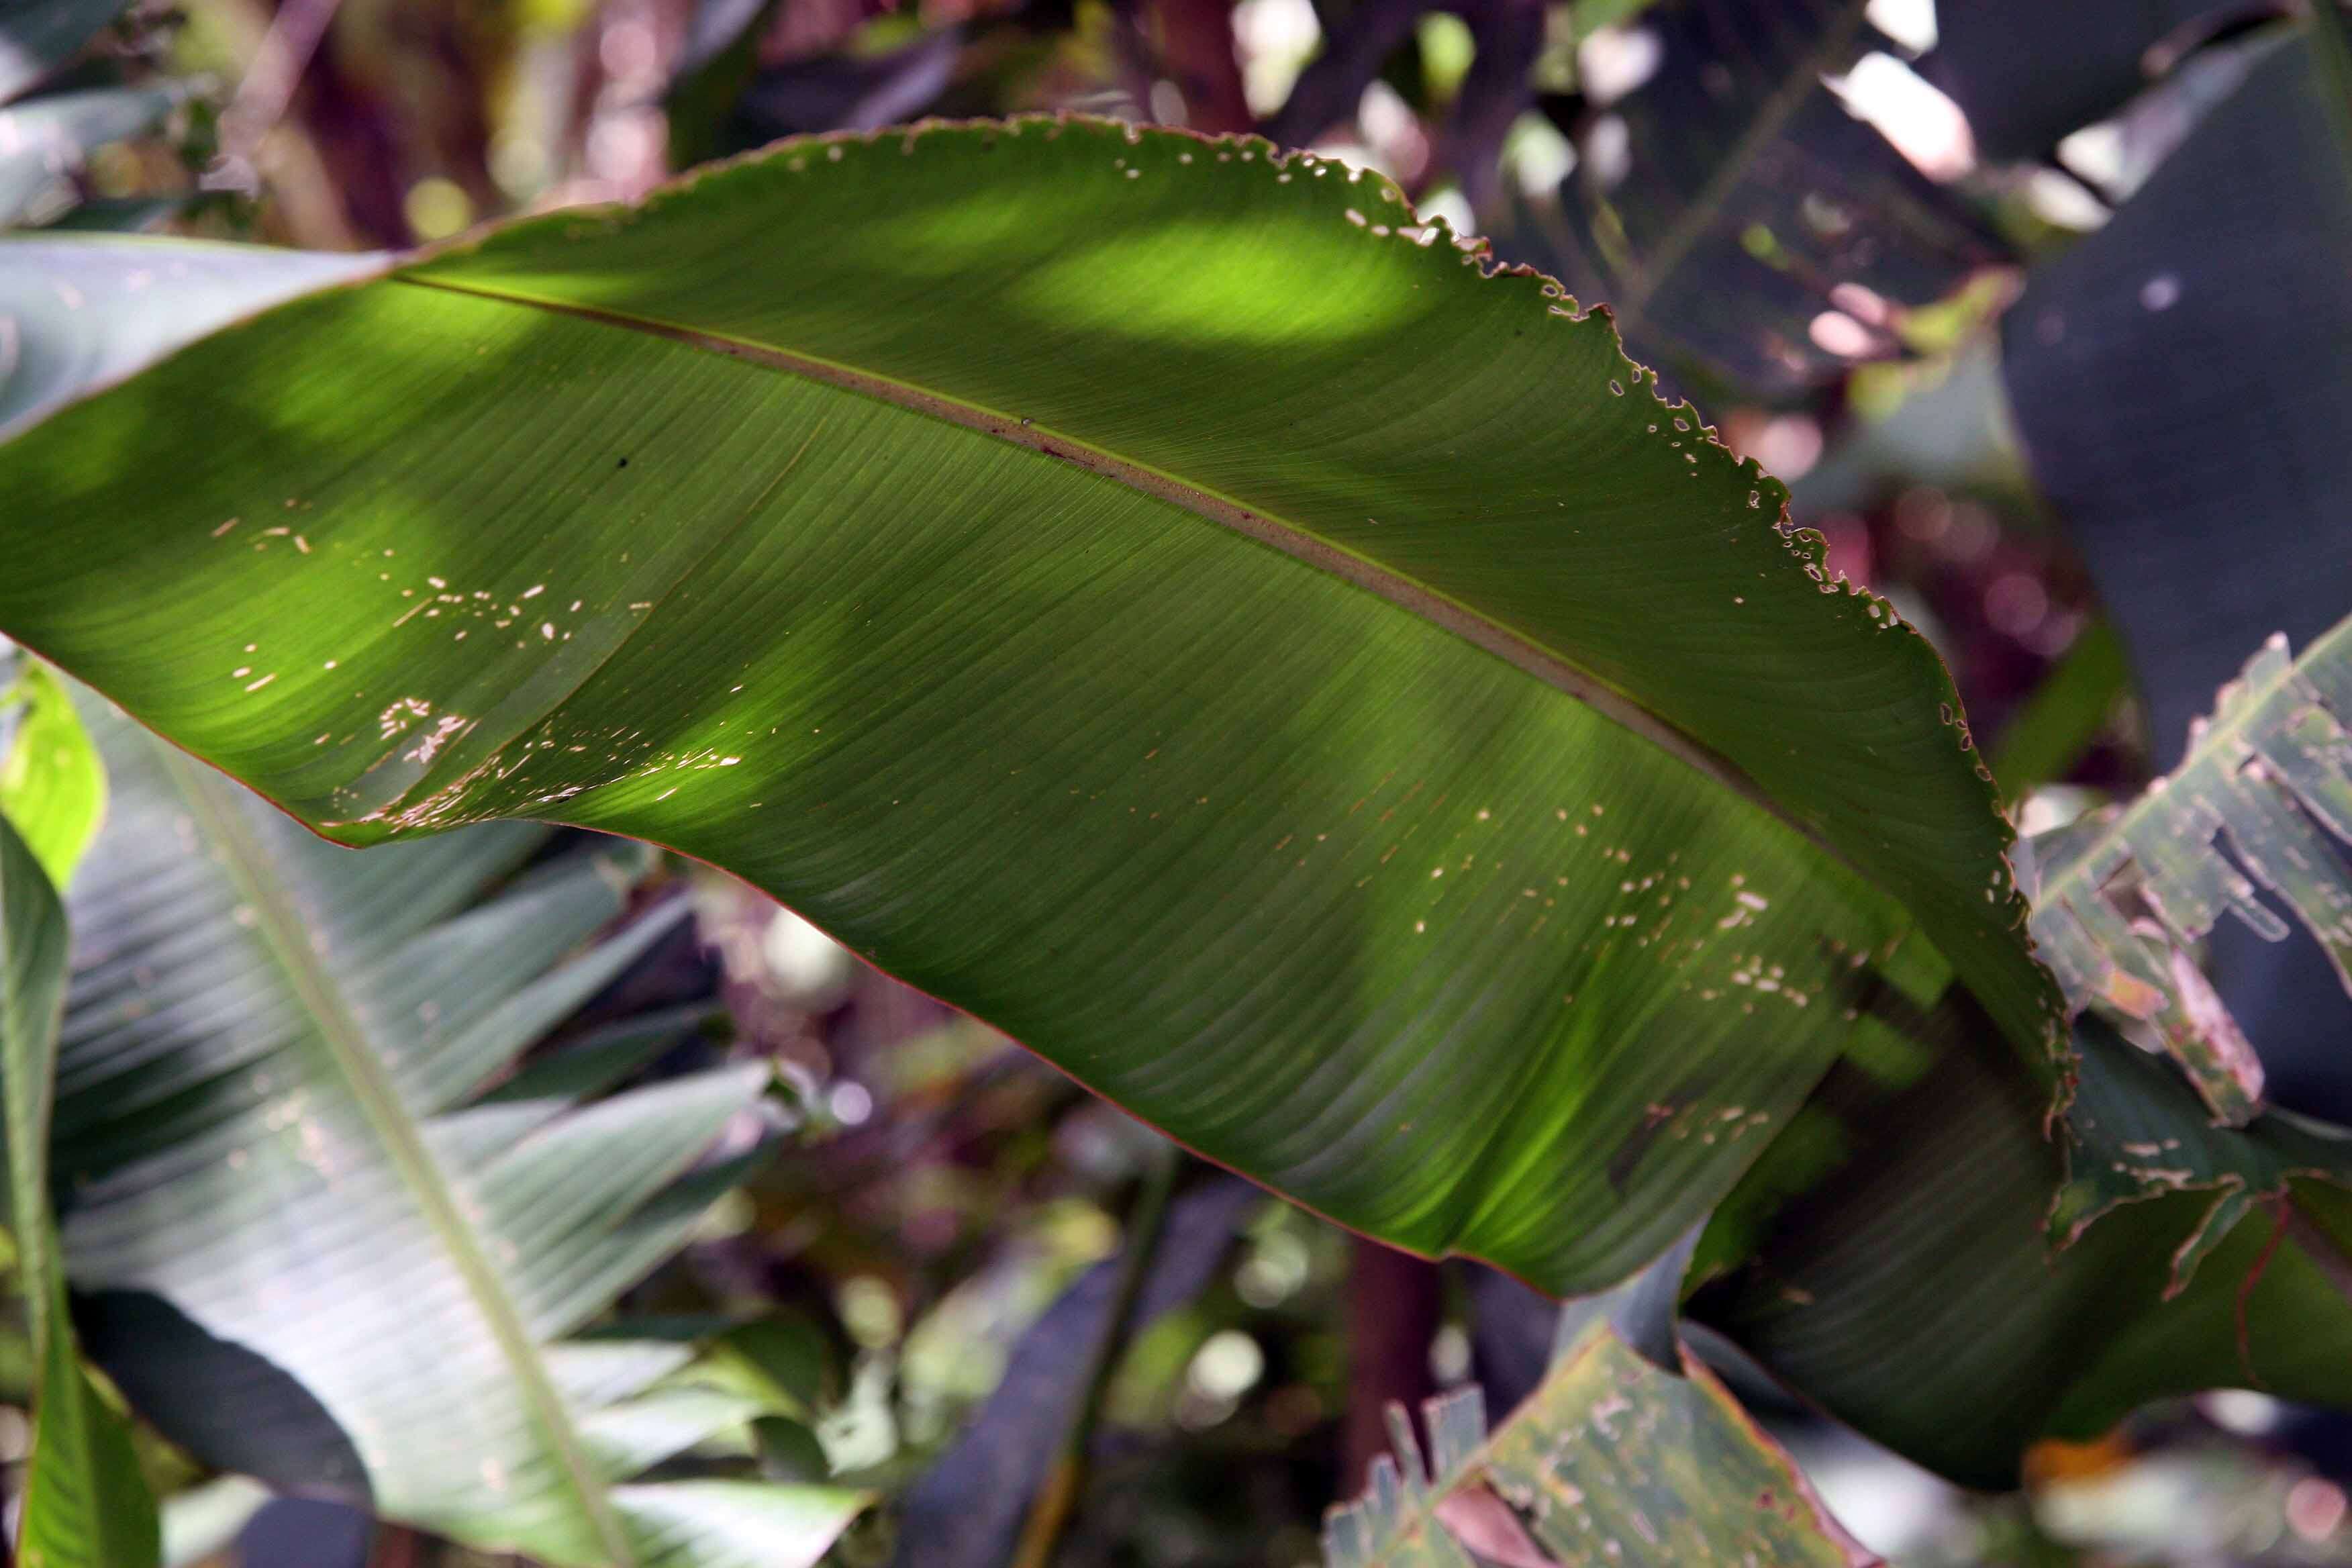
(2124, 894)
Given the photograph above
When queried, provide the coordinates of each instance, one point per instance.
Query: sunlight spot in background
(1226, 1366)
(2239, 1410)
(1910, 23)
(806, 965)
(1275, 39)
(1614, 61)
(1452, 205)
(1537, 156)
(436, 208)
(2314, 1508)
(1927, 127)
(2095, 154)
(2059, 199)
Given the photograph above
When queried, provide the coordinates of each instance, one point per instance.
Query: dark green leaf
(1744, 201)
(1302, 685)
(309, 1248)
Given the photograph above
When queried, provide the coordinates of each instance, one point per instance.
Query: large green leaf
(1143, 591)
(84, 1503)
(1903, 1281)
(320, 1235)
(52, 786)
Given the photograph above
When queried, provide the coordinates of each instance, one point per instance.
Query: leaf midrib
(1299, 542)
(281, 927)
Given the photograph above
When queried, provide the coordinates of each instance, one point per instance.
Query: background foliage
(1941, 272)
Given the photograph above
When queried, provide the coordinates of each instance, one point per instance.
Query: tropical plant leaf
(1896, 1267)
(35, 35)
(309, 1246)
(84, 1503)
(2124, 893)
(1461, 810)
(2026, 75)
(1737, 201)
(966, 1510)
(2131, 1134)
(52, 785)
(1619, 1457)
(76, 315)
(2063, 717)
(48, 137)
(2090, 354)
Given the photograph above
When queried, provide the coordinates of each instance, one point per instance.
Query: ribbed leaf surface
(2126, 894)
(310, 1249)
(1142, 592)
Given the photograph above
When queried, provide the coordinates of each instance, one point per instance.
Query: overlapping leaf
(1629, 1453)
(1731, 199)
(2124, 894)
(84, 1503)
(310, 1247)
(1143, 590)
(1901, 1278)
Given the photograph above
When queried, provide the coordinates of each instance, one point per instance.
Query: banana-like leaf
(1145, 591)
(1900, 1276)
(2124, 893)
(52, 785)
(311, 1248)
(1630, 1454)
(48, 138)
(84, 1504)
(1742, 201)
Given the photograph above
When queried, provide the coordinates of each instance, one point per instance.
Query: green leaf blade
(84, 1504)
(1255, 660)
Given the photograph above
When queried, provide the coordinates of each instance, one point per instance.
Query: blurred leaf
(308, 1248)
(48, 138)
(2064, 715)
(2180, 396)
(1905, 1282)
(1615, 1459)
(35, 35)
(1461, 812)
(2027, 73)
(1745, 201)
(52, 785)
(83, 1503)
(966, 1510)
(75, 315)
(204, 1521)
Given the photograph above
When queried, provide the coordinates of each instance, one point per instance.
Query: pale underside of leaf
(1612, 1460)
(2127, 894)
(274, 1060)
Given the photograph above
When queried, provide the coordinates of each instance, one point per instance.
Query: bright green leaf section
(52, 785)
(84, 1504)
(313, 1245)
(1147, 594)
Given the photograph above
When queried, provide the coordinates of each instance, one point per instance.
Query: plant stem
(1058, 1498)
